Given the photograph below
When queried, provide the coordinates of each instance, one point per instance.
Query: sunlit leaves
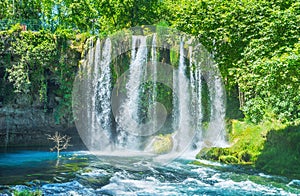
(256, 46)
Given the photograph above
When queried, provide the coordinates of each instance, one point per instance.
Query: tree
(61, 142)
(256, 45)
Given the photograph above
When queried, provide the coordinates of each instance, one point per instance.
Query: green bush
(281, 153)
(269, 146)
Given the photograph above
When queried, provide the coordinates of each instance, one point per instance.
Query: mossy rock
(95, 181)
(229, 159)
(245, 156)
(162, 144)
(212, 153)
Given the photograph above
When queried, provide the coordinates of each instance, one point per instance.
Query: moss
(27, 193)
(40, 64)
(213, 153)
(270, 146)
(228, 159)
(95, 182)
(245, 156)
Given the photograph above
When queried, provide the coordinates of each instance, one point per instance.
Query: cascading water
(154, 80)
(89, 102)
(216, 129)
(94, 96)
(103, 88)
(128, 119)
(127, 129)
(181, 98)
(196, 100)
(94, 57)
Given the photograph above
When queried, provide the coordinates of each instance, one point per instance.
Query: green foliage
(247, 142)
(41, 65)
(163, 96)
(33, 53)
(256, 45)
(18, 75)
(281, 153)
(20, 9)
(233, 105)
(269, 146)
(97, 16)
(273, 84)
(28, 193)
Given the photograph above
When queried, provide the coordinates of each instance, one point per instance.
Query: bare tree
(61, 142)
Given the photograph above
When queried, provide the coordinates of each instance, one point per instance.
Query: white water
(196, 93)
(94, 57)
(96, 99)
(96, 177)
(181, 97)
(89, 103)
(128, 119)
(154, 80)
(103, 88)
(130, 133)
(216, 130)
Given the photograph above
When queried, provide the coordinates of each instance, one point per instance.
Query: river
(80, 173)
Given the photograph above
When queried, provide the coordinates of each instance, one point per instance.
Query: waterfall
(93, 93)
(154, 80)
(190, 108)
(128, 119)
(94, 57)
(196, 100)
(89, 102)
(102, 88)
(181, 115)
(216, 130)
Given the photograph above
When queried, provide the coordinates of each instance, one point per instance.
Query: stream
(81, 173)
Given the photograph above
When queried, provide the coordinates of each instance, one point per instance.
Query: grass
(269, 146)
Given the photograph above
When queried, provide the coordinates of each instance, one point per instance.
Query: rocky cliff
(36, 78)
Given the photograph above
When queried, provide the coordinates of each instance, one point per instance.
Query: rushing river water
(80, 173)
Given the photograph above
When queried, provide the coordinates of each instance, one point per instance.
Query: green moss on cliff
(40, 66)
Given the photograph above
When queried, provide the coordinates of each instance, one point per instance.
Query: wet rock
(28, 126)
(162, 144)
(94, 181)
(59, 179)
(4, 188)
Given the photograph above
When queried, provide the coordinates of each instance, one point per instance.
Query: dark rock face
(28, 126)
